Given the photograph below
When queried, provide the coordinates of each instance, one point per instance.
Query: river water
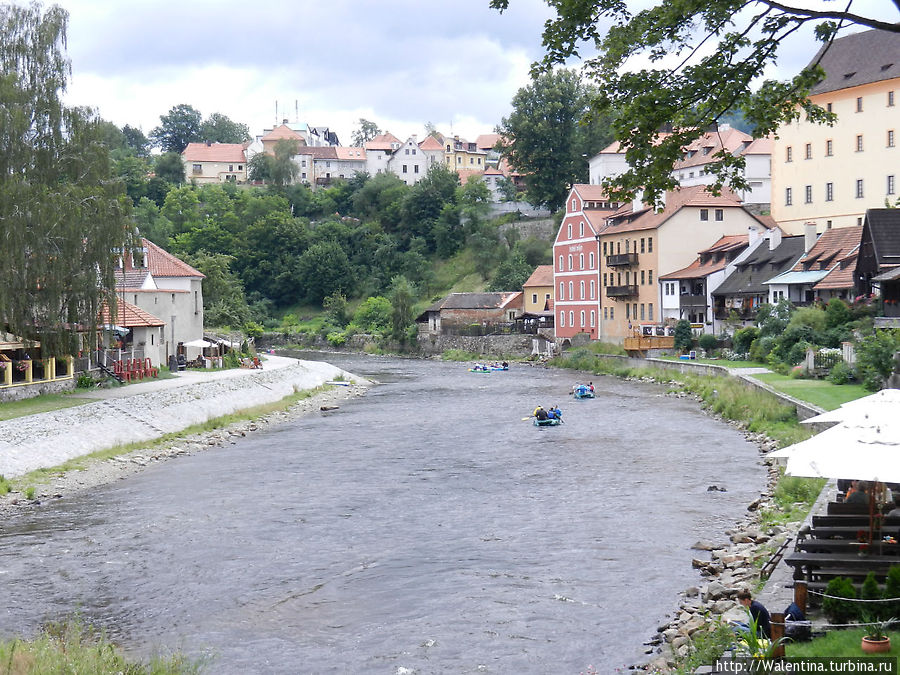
(422, 528)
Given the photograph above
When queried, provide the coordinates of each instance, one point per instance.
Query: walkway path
(147, 410)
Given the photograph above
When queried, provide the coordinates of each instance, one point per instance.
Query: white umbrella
(882, 405)
(198, 343)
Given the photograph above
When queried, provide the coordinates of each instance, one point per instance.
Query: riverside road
(422, 528)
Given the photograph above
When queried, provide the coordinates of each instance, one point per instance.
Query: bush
(761, 347)
(841, 373)
(875, 358)
(84, 381)
(708, 342)
(743, 338)
(253, 329)
(839, 611)
(892, 590)
(684, 338)
(336, 338)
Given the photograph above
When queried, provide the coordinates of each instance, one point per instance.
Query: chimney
(774, 238)
(809, 236)
(753, 235)
(637, 203)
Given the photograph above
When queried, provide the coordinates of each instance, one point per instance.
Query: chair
(150, 369)
(120, 370)
(136, 368)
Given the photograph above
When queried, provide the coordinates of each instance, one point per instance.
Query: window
(534, 298)
(240, 167)
(704, 214)
(612, 312)
(650, 312)
(560, 263)
(605, 317)
(198, 168)
(890, 138)
(581, 261)
(642, 245)
(788, 197)
(642, 277)
(650, 277)
(570, 261)
(604, 280)
(859, 189)
(414, 151)
(859, 104)
(404, 168)
(562, 319)
(581, 229)
(415, 168)
(231, 167)
(571, 318)
(604, 248)
(618, 247)
(627, 246)
(720, 215)
(650, 245)
(562, 295)
(627, 311)
(788, 154)
(859, 143)
(829, 148)
(642, 311)
(581, 288)
(571, 290)
(829, 192)
(471, 160)
(407, 151)
(582, 318)
(891, 98)
(634, 311)
(303, 163)
(809, 151)
(593, 289)
(591, 260)
(303, 175)
(808, 194)
(890, 185)
(593, 318)
(573, 205)
(828, 107)
(569, 231)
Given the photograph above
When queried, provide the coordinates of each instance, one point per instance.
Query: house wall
(409, 163)
(216, 172)
(758, 172)
(872, 165)
(575, 268)
(606, 165)
(617, 315)
(542, 293)
(180, 308)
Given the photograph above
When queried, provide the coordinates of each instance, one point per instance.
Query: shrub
(29, 493)
(839, 611)
(891, 590)
(708, 342)
(743, 338)
(875, 358)
(684, 338)
(84, 381)
(253, 329)
(336, 338)
(4, 486)
(837, 313)
(841, 373)
(761, 347)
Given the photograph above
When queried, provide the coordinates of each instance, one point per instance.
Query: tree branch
(841, 16)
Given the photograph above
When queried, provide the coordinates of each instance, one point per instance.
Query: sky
(398, 63)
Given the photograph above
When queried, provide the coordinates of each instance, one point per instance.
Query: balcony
(621, 291)
(687, 300)
(622, 259)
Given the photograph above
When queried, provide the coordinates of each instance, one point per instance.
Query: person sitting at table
(860, 495)
(854, 486)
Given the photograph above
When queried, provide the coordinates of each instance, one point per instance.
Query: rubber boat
(582, 391)
(549, 422)
(495, 368)
(479, 370)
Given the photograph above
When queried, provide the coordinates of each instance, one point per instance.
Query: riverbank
(136, 426)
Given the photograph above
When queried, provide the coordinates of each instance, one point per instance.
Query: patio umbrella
(202, 344)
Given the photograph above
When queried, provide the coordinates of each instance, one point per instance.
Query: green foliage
(218, 128)
(837, 313)
(29, 493)
(336, 309)
(551, 133)
(84, 381)
(684, 338)
(743, 338)
(4, 486)
(373, 316)
(875, 358)
(892, 590)
(336, 338)
(708, 342)
(870, 589)
(841, 373)
(180, 126)
(365, 131)
(773, 319)
(252, 329)
(839, 611)
(323, 269)
(402, 299)
(511, 273)
(792, 490)
(61, 210)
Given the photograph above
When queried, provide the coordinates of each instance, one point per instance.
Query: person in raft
(758, 613)
(554, 413)
(540, 413)
(591, 386)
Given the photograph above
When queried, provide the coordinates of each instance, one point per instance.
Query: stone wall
(539, 229)
(20, 392)
(489, 345)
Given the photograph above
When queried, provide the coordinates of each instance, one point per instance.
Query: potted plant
(876, 641)
(753, 645)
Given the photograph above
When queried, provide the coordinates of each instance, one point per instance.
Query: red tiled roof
(382, 142)
(590, 193)
(709, 144)
(542, 276)
(491, 171)
(837, 279)
(830, 248)
(695, 270)
(214, 152)
(648, 219)
(129, 316)
(356, 154)
(487, 141)
(163, 264)
(283, 131)
(760, 146)
(465, 174)
(431, 143)
(320, 152)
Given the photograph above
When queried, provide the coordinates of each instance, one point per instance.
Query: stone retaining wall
(23, 391)
(489, 345)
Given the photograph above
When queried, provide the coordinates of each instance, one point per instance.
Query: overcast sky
(398, 63)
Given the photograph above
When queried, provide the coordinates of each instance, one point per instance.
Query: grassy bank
(71, 648)
(818, 392)
(39, 404)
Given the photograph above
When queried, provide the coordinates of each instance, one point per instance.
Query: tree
(548, 137)
(136, 141)
(179, 127)
(218, 128)
(283, 169)
(259, 168)
(170, 167)
(62, 214)
(698, 77)
(684, 338)
(402, 297)
(365, 132)
(323, 269)
(511, 273)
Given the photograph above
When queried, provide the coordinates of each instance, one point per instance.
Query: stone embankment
(146, 411)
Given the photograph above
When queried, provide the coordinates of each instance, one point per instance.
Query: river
(422, 528)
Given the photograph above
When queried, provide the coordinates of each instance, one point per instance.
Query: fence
(106, 358)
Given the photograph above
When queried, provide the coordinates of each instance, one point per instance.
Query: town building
(878, 267)
(830, 175)
(471, 313)
(215, 162)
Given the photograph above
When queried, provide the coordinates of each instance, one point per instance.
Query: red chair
(149, 368)
(120, 370)
(136, 368)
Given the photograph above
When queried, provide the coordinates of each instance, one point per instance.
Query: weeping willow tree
(63, 219)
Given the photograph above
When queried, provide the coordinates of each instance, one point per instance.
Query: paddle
(527, 418)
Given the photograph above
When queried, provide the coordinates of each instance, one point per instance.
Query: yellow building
(830, 175)
(538, 290)
(461, 155)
